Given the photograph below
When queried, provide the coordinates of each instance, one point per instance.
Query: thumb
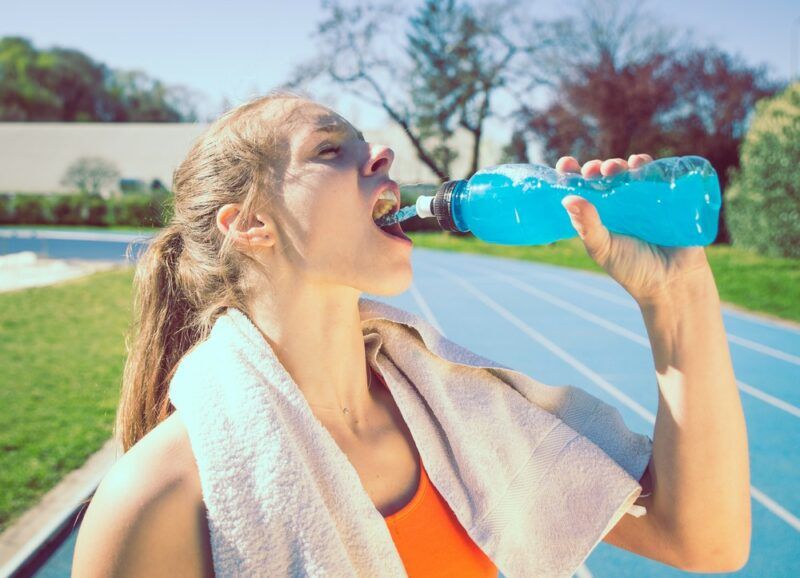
(586, 221)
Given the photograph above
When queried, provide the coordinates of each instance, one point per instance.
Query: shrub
(6, 209)
(96, 211)
(136, 210)
(32, 210)
(68, 209)
(763, 202)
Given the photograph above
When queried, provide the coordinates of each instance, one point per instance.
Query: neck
(315, 331)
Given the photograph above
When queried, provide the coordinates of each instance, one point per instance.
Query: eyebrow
(337, 128)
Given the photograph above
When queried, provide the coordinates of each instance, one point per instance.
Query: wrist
(691, 288)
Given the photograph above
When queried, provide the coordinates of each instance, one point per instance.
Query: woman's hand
(645, 270)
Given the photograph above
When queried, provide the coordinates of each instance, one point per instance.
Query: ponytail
(162, 333)
(190, 273)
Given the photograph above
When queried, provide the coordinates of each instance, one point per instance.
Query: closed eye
(330, 149)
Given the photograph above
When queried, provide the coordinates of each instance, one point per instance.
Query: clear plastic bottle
(672, 201)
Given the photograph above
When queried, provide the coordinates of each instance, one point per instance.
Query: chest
(386, 459)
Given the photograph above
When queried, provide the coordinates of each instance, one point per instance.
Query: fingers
(635, 161)
(596, 167)
(591, 168)
(568, 165)
(613, 166)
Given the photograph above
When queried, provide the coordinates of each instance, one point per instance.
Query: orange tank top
(430, 539)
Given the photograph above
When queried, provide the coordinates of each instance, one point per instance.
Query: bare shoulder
(147, 517)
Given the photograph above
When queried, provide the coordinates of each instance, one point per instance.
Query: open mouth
(385, 205)
(394, 231)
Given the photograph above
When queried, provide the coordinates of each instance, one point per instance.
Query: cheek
(326, 222)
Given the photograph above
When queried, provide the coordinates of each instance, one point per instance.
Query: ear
(261, 233)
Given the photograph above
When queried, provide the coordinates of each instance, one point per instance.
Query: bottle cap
(424, 206)
(442, 205)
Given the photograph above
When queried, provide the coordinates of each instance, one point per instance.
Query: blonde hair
(189, 273)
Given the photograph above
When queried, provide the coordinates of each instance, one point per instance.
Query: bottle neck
(446, 207)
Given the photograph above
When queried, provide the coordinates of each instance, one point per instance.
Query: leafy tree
(66, 85)
(623, 85)
(764, 200)
(460, 59)
(455, 57)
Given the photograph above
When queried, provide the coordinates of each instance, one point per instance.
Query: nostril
(378, 165)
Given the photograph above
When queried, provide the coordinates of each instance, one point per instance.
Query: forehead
(317, 121)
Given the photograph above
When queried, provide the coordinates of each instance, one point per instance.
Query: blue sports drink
(672, 201)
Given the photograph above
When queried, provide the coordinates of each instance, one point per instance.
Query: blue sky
(237, 48)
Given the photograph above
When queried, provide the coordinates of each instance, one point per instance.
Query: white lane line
(770, 399)
(775, 508)
(591, 276)
(76, 236)
(552, 347)
(631, 304)
(426, 311)
(757, 494)
(765, 349)
(627, 334)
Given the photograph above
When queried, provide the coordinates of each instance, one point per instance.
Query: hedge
(145, 210)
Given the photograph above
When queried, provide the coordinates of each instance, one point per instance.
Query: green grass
(762, 284)
(62, 355)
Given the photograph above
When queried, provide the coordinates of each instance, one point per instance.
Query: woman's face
(330, 190)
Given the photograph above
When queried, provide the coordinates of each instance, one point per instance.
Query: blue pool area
(60, 244)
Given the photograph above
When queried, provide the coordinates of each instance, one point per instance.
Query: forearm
(700, 455)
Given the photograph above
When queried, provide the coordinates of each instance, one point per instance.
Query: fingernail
(574, 210)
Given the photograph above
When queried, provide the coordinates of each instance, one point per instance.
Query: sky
(235, 49)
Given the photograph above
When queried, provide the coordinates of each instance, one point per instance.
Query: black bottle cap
(443, 204)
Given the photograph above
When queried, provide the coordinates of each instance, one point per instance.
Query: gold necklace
(346, 411)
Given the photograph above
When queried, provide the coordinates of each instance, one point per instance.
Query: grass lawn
(745, 279)
(62, 356)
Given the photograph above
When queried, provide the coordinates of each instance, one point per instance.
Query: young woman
(274, 222)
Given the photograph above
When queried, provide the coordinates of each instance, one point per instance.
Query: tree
(624, 85)
(764, 200)
(136, 97)
(455, 57)
(516, 151)
(460, 58)
(608, 70)
(66, 85)
(91, 175)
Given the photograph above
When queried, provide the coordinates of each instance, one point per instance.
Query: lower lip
(405, 240)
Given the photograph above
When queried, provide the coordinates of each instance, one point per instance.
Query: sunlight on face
(329, 195)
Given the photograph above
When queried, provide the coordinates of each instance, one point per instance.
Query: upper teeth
(385, 204)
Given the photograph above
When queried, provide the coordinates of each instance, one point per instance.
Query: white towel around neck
(536, 474)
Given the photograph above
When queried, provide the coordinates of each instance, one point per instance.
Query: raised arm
(699, 510)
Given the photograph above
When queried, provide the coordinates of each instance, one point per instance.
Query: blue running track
(563, 326)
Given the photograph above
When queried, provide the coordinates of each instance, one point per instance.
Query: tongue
(395, 230)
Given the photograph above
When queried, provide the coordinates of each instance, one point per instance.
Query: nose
(380, 160)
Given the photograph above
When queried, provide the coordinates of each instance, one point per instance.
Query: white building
(34, 156)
